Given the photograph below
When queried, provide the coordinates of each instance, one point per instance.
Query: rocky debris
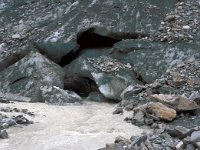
(179, 103)
(161, 139)
(182, 79)
(11, 117)
(180, 24)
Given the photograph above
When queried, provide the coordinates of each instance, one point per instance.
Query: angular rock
(138, 118)
(118, 110)
(114, 147)
(55, 95)
(197, 144)
(179, 103)
(180, 145)
(30, 73)
(195, 137)
(110, 75)
(161, 111)
(56, 50)
(191, 147)
(179, 132)
(121, 140)
(139, 140)
(158, 56)
(3, 134)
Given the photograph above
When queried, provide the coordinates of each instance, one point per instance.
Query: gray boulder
(26, 76)
(152, 59)
(55, 95)
(110, 75)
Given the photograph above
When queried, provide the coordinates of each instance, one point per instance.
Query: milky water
(86, 127)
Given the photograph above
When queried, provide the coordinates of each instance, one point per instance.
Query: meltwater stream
(86, 127)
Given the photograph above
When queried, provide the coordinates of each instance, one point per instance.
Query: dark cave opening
(87, 40)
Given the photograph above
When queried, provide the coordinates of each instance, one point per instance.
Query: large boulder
(26, 76)
(60, 20)
(179, 103)
(152, 59)
(110, 75)
(56, 50)
(161, 111)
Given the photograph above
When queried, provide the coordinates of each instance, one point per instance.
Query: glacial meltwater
(85, 127)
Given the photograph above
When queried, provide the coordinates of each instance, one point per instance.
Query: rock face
(152, 59)
(110, 75)
(56, 51)
(30, 73)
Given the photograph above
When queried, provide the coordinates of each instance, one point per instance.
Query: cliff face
(144, 36)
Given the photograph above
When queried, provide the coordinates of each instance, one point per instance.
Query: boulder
(195, 137)
(179, 103)
(3, 134)
(158, 56)
(55, 95)
(110, 75)
(26, 76)
(56, 50)
(161, 111)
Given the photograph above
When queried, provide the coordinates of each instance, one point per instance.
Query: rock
(190, 147)
(195, 96)
(16, 36)
(179, 103)
(197, 144)
(20, 119)
(139, 140)
(3, 134)
(55, 95)
(114, 147)
(180, 145)
(195, 137)
(156, 56)
(118, 110)
(110, 75)
(161, 111)
(138, 118)
(121, 140)
(30, 73)
(8, 121)
(179, 132)
(57, 50)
